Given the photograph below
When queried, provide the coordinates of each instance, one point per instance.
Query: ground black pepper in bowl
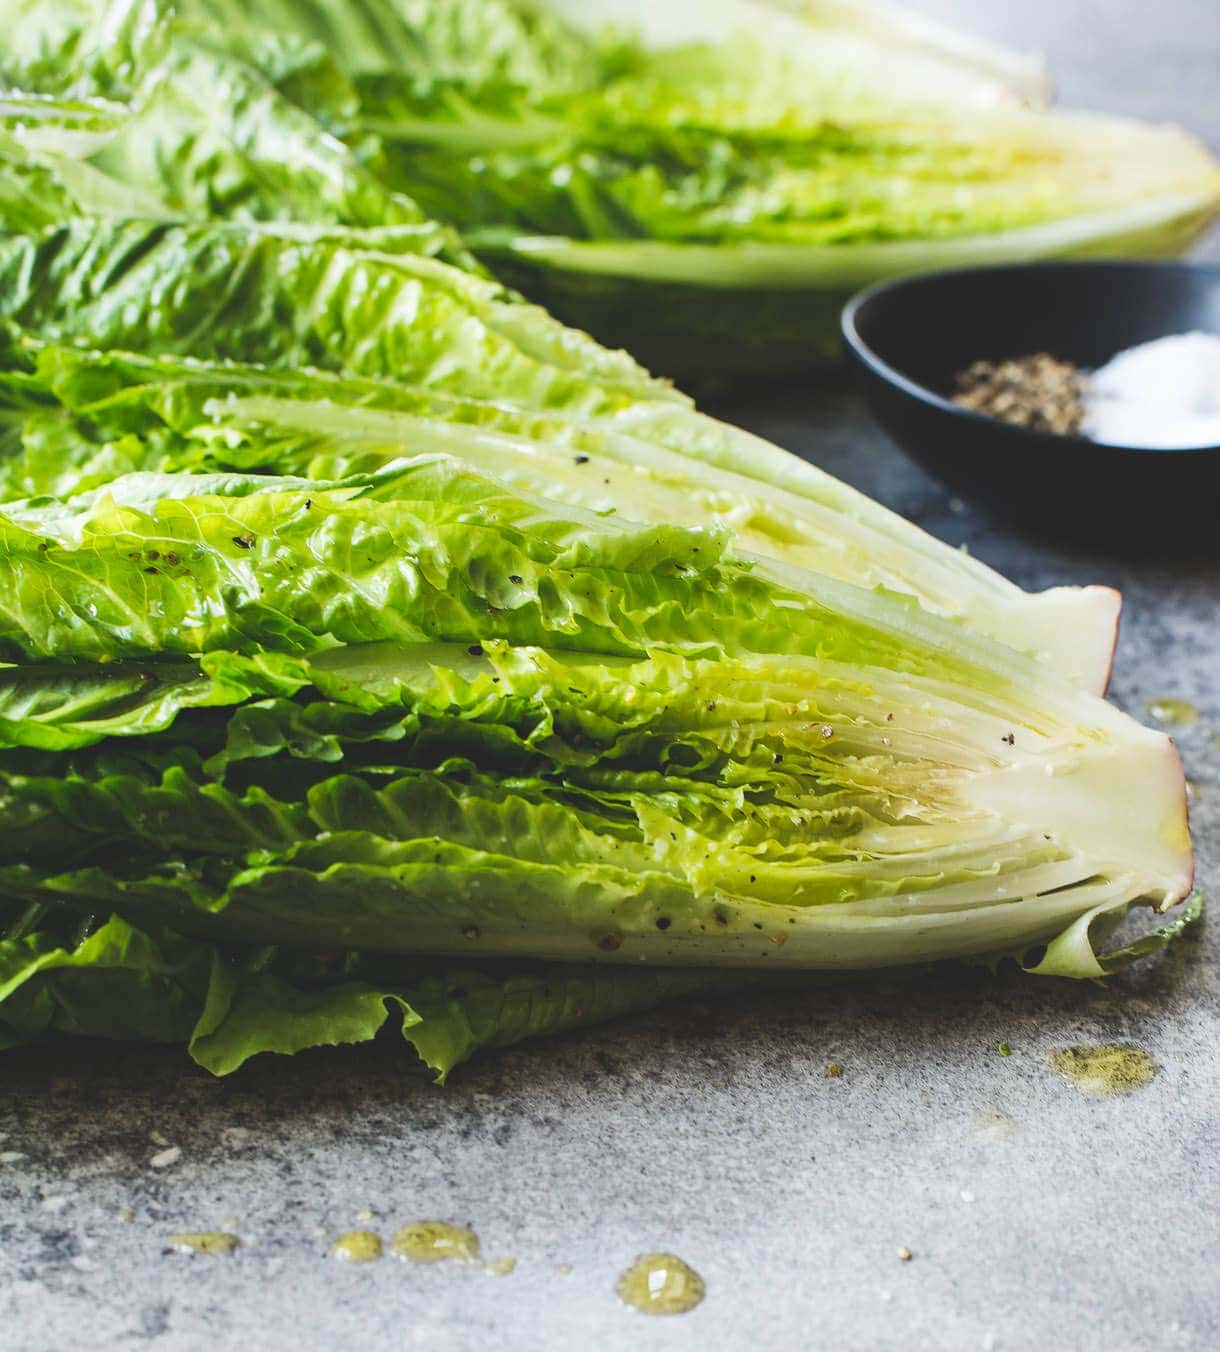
(1036, 391)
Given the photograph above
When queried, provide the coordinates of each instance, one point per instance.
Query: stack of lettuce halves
(375, 647)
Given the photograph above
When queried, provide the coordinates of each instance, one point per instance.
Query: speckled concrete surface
(1038, 1218)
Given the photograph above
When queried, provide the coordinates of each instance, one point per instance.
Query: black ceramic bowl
(910, 337)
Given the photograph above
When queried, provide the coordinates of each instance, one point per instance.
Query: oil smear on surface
(1167, 709)
(1105, 1071)
(434, 1241)
(995, 1126)
(209, 1242)
(660, 1283)
(357, 1246)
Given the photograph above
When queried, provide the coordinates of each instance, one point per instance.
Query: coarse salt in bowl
(1161, 395)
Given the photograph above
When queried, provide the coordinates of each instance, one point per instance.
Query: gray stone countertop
(1038, 1218)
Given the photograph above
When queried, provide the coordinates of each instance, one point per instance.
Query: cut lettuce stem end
(1077, 627)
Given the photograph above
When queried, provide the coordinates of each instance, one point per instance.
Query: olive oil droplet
(434, 1241)
(1170, 710)
(208, 1242)
(660, 1283)
(357, 1246)
(1107, 1070)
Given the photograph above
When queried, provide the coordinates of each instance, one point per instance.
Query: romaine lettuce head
(436, 715)
(716, 202)
(703, 183)
(554, 804)
(422, 356)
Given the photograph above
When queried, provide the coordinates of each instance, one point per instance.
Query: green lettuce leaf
(451, 1014)
(121, 982)
(1074, 953)
(176, 153)
(61, 707)
(115, 982)
(366, 301)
